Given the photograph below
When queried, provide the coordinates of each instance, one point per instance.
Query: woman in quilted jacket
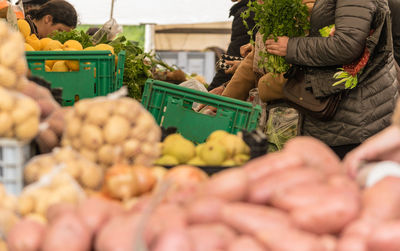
(360, 26)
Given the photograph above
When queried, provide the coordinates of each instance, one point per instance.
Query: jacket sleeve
(352, 20)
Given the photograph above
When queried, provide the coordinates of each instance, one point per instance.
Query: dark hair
(61, 11)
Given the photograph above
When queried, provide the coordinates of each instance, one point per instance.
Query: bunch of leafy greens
(276, 18)
(79, 36)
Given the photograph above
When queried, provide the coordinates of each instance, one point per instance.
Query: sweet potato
(118, 234)
(211, 237)
(329, 242)
(67, 232)
(262, 190)
(271, 163)
(205, 210)
(289, 239)
(245, 243)
(382, 201)
(315, 153)
(385, 237)
(250, 219)
(26, 235)
(229, 185)
(328, 214)
(166, 216)
(354, 237)
(96, 211)
(54, 211)
(174, 240)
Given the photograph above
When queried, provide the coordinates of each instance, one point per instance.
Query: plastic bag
(194, 85)
(19, 116)
(281, 126)
(113, 129)
(87, 173)
(107, 32)
(254, 98)
(55, 187)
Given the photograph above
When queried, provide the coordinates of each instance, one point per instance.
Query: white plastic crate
(13, 157)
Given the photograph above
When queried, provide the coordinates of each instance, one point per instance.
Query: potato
(26, 235)
(91, 176)
(118, 234)
(8, 219)
(64, 154)
(81, 108)
(6, 123)
(262, 190)
(128, 109)
(245, 243)
(3, 246)
(229, 185)
(8, 78)
(91, 136)
(173, 240)
(284, 239)
(205, 210)
(159, 172)
(88, 154)
(41, 219)
(98, 115)
(73, 127)
(107, 155)
(26, 204)
(131, 148)
(67, 232)
(10, 202)
(28, 129)
(47, 140)
(211, 236)
(7, 101)
(72, 168)
(11, 50)
(116, 129)
(59, 209)
(31, 172)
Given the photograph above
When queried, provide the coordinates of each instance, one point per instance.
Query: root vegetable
(73, 127)
(26, 204)
(205, 210)
(209, 237)
(245, 243)
(91, 176)
(8, 219)
(385, 237)
(28, 129)
(173, 240)
(121, 182)
(145, 178)
(229, 185)
(98, 115)
(116, 129)
(26, 235)
(91, 136)
(106, 155)
(250, 219)
(6, 123)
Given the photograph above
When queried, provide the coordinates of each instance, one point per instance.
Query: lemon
(73, 65)
(90, 48)
(53, 45)
(104, 47)
(60, 66)
(47, 68)
(33, 41)
(72, 44)
(44, 42)
(50, 63)
(28, 47)
(24, 27)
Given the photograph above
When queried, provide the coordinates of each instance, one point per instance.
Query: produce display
(287, 200)
(88, 174)
(19, 116)
(220, 149)
(106, 131)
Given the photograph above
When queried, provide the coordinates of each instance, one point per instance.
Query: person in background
(366, 109)
(239, 37)
(32, 4)
(55, 15)
(394, 6)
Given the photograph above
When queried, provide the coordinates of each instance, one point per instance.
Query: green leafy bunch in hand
(276, 18)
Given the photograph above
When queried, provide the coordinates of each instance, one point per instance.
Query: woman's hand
(245, 49)
(235, 64)
(279, 47)
(383, 146)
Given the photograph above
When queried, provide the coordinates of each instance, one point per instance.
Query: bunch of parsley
(276, 18)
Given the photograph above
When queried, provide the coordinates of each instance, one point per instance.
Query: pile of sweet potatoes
(297, 199)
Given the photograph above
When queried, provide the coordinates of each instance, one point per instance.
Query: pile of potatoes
(107, 131)
(88, 174)
(19, 115)
(13, 66)
(57, 187)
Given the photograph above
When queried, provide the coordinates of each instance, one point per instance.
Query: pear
(229, 162)
(213, 153)
(198, 149)
(241, 159)
(216, 135)
(196, 161)
(182, 149)
(167, 160)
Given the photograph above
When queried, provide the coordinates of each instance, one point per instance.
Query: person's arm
(353, 23)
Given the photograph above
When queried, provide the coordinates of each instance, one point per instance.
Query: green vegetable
(326, 30)
(79, 36)
(276, 18)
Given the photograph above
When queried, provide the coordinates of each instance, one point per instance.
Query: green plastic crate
(97, 75)
(171, 106)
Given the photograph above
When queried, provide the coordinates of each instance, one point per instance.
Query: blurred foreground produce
(284, 201)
